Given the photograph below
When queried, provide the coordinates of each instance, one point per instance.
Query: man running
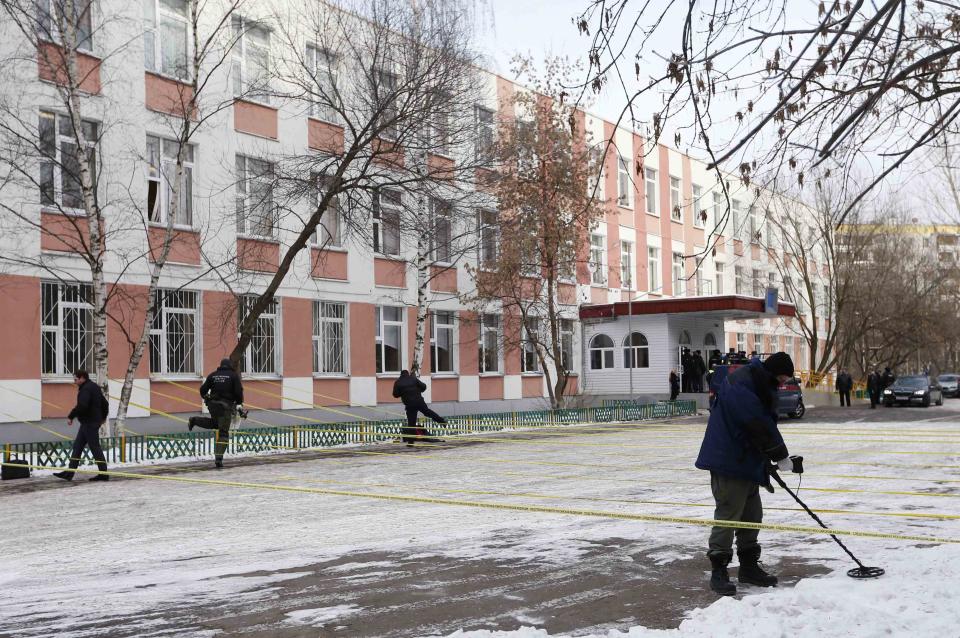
(410, 389)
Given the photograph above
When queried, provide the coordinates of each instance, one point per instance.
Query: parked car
(913, 390)
(790, 399)
(949, 383)
(789, 395)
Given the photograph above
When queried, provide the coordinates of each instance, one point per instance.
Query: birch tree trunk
(422, 265)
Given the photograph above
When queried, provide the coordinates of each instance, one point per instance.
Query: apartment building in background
(342, 325)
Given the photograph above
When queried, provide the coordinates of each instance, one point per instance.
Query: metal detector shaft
(779, 480)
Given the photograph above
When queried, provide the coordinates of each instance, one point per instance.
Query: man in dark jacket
(844, 385)
(410, 389)
(873, 388)
(740, 442)
(887, 379)
(223, 393)
(716, 359)
(699, 368)
(91, 410)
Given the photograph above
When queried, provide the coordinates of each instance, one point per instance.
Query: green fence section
(139, 448)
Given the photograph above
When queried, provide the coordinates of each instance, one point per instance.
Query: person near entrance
(410, 389)
(873, 388)
(844, 384)
(223, 393)
(699, 369)
(91, 411)
(740, 442)
(674, 385)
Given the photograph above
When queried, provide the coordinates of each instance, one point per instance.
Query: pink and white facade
(343, 324)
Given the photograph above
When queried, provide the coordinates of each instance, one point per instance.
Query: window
(758, 343)
(173, 335)
(442, 343)
(623, 182)
(442, 235)
(251, 60)
(651, 183)
(737, 218)
(66, 328)
(738, 283)
(256, 215)
(701, 283)
(385, 104)
(636, 351)
(598, 253)
(698, 207)
(684, 338)
(322, 66)
(165, 42)
(389, 342)
(595, 184)
(489, 238)
(720, 269)
(754, 225)
(262, 354)
(161, 176)
(709, 341)
(566, 344)
(60, 164)
(758, 283)
(679, 281)
(676, 213)
(386, 221)
(601, 352)
(489, 343)
(529, 361)
(653, 270)
(485, 133)
(54, 22)
(719, 208)
(741, 342)
(329, 231)
(329, 338)
(626, 264)
(440, 124)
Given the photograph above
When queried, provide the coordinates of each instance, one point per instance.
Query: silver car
(949, 384)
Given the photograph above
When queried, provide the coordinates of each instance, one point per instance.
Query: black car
(913, 390)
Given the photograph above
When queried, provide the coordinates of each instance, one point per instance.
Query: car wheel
(926, 401)
(799, 412)
(940, 400)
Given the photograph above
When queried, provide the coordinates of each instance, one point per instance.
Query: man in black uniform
(223, 393)
(410, 389)
(844, 384)
(91, 410)
(873, 388)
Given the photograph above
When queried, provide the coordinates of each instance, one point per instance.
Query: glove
(785, 464)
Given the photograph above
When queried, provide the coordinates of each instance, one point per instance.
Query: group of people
(877, 382)
(695, 375)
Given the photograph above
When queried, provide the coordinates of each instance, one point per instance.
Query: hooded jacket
(742, 436)
(223, 384)
(409, 389)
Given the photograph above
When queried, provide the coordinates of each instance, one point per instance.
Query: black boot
(751, 572)
(719, 578)
(218, 461)
(190, 423)
(66, 476)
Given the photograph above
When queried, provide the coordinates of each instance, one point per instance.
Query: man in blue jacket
(91, 410)
(740, 442)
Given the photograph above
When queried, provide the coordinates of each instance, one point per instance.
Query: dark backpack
(15, 469)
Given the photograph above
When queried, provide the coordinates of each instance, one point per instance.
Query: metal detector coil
(865, 572)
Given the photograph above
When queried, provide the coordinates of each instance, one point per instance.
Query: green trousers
(736, 500)
(223, 435)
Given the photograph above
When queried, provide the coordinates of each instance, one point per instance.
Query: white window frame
(624, 189)
(242, 64)
(322, 66)
(738, 283)
(443, 321)
(157, 15)
(386, 82)
(654, 285)
(490, 337)
(719, 273)
(626, 265)
(441, 236)
(598, 259)
(758, 342)
(737, 217)
(329, 232)
(386, 222)
(485, 132)
(161, 174)
(441, 126)
(718, 204)
(489, 245)
(696, 206)
(567, 351)
(650, 183)
(382, 324)
(53, 328)
(606, 352)
(246, 178)
(741, 342)
(48, 25)
(165, 321)
(54, 159)
(676, 211)
(596, 186)
(758, 281)
(529, 360)
(679, 277)
(754, 217)
(329, 319)
(270, 317)
(632, 351)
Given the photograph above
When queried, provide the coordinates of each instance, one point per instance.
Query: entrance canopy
(727, 307)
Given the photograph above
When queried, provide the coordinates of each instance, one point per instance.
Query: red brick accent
(443, 279)
(165, 95)
(52, 67)
(63, 233)
(184, 247)
(389, 273)
(491, 387)
(20, 337)
(258, 255)
(255, 119)
(323, 136)
(328, 264)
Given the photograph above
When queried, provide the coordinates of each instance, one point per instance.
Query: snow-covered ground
(125, 558)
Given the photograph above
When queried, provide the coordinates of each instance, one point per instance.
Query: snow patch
(322, 615)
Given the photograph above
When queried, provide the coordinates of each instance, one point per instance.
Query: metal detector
(861, 571)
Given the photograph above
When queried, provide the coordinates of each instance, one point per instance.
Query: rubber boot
(190, 424)
(720, 578)
(218, 461)
(751, 572)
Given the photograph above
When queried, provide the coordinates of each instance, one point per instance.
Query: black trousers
(412, 430)
(87, 436)
(874, 400)
(845, 396)
(673, 393)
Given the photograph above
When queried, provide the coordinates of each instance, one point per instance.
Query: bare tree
(547, 209)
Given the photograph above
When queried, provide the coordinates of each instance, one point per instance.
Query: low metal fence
(140, 448)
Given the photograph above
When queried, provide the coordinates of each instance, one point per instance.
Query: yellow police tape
(650, 518)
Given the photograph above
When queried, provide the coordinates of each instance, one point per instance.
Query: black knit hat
(225, 363)
(779, 363)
